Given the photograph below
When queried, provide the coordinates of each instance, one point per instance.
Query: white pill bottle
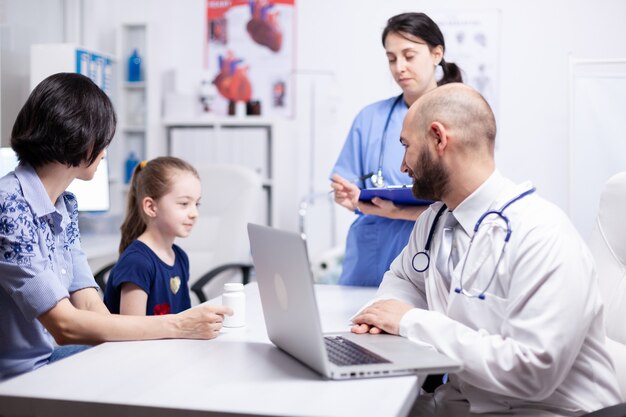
(235, 298)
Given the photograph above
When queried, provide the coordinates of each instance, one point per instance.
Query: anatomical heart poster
(250, 55)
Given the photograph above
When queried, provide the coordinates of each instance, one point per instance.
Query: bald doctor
(494, 276)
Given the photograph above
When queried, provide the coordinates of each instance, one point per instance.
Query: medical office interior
(542, 67)
(554, 73)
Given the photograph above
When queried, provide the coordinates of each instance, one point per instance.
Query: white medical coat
(537, 339)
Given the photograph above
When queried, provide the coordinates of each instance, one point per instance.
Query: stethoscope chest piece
(421, 261)
(377, 179)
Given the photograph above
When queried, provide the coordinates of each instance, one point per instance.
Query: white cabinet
(240, 141)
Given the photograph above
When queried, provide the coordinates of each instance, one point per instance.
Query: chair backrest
(608, 246)
(231, 197)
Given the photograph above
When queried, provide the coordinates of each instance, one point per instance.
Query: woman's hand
(202, 322)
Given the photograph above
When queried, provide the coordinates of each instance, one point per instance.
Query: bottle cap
(233, 286)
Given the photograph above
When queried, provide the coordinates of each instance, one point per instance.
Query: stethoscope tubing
(377, 178)
(423, 257)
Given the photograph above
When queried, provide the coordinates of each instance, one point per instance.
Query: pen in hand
(356, 180)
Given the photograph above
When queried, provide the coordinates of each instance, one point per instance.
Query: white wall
(341, 62)
(22, 23)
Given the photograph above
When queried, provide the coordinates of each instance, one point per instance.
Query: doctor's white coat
(537, 339)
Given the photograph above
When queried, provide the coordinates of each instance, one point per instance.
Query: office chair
(102, 275)
(618, 410)
(218, 245)
(608, 246)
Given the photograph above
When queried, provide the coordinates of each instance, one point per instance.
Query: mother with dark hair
(372, 153)
(47, 291)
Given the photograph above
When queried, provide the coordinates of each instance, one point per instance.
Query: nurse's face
(412, 64)
(430, 177)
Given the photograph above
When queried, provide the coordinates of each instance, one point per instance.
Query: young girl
(46, 287)
(151, 275)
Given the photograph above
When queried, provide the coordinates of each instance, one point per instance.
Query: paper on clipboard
(399, 194)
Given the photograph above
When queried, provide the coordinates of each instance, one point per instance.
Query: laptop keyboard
(343, 352)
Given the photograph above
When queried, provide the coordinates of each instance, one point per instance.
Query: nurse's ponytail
(451, 73)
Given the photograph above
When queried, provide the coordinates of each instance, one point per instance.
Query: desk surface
(239, 373)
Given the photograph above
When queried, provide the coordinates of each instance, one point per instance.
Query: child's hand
(201, 322)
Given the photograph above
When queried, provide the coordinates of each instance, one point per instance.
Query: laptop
(293, 324)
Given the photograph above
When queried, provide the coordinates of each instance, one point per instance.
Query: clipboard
(399, 194)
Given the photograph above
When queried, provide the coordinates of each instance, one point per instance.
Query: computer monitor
(8, 161)
(92, 196)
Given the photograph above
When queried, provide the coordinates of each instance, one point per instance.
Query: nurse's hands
(346, 192)
(386, 208)
(347, 195)
(384, 315)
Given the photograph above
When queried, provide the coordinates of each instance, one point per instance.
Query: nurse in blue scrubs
(372, 153)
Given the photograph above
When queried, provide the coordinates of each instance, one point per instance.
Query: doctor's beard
(430, 179)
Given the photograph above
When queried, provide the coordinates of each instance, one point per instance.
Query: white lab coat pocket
(486, 314)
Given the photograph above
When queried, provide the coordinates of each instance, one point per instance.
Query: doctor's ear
(438, 132)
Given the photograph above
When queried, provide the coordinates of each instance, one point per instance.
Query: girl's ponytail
(133, 225)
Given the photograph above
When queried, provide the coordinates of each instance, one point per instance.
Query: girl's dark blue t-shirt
(166, 286)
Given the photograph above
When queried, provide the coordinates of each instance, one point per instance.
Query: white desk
(239, 373)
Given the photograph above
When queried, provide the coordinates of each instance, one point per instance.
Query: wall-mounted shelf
(133, 102)
(133, 129)
(134, 85)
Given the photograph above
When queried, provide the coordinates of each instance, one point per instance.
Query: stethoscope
(377, 178)
(421, 260)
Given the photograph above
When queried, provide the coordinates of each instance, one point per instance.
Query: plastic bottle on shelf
(131, 163)
(235, 298)
(134, 67)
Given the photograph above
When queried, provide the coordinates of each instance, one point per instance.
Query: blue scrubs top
(373, 242)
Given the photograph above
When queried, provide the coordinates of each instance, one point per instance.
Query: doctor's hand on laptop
(201, 322)
(380, 316)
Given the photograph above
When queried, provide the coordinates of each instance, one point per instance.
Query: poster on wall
(472, 42)
(250, 55)
(97, 67)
